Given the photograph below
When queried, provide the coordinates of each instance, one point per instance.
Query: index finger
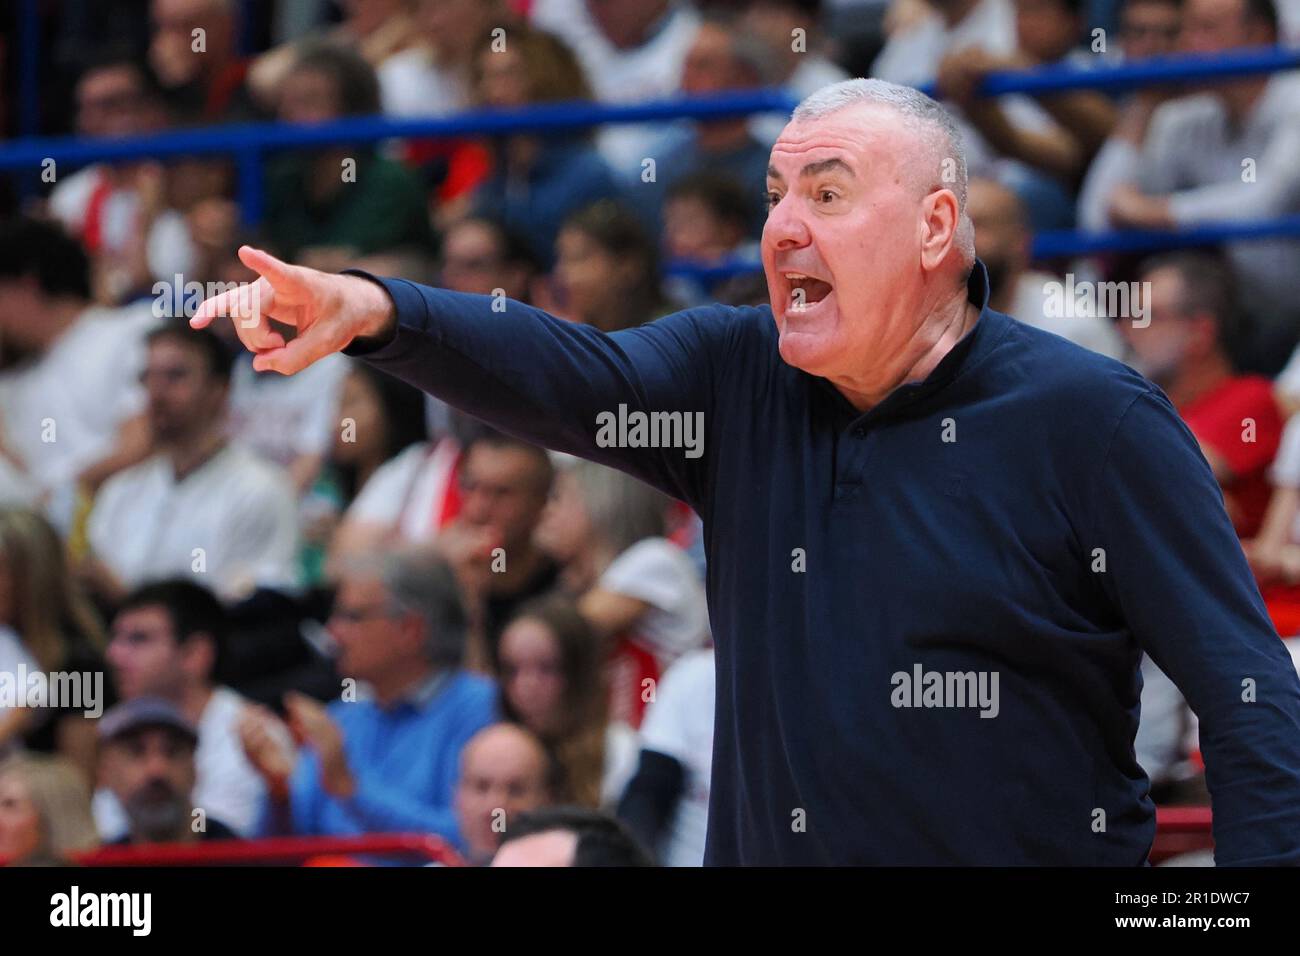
(279, 273)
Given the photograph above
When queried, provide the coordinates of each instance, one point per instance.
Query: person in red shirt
(1181, 346)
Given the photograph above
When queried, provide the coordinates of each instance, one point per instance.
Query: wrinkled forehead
(864, 137)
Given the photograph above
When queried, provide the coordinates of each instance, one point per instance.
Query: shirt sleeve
(559, 384)
(1273, 185)
(1176, 572)
(645, 572)
(1159, 167)
(262, 538)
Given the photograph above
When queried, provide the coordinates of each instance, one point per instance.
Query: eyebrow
(812, 169)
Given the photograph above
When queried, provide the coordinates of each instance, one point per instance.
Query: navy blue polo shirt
(928, 617)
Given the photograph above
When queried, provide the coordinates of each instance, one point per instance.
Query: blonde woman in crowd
(44, 811)
(45, 619)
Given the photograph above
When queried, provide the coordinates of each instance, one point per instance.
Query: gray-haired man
(938, 539)
(385, 757)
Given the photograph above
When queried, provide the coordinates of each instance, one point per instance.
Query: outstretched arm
(568, 387)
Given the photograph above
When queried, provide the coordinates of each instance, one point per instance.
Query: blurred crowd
(327, 604)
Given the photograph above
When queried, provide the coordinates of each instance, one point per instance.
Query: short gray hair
(420, 582)
(922, 114)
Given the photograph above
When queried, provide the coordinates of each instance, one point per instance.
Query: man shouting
(938, 539)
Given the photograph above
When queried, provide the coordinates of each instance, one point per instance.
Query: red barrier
(1181, 830)
(1178, 830)
(279, 851)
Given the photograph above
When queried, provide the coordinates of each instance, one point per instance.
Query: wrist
(376, 323)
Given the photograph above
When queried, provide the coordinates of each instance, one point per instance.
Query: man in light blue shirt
(385, 757)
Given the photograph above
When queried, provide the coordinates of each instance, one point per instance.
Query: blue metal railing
(247, 143)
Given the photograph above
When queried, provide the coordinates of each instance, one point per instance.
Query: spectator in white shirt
(15, 487)
(630, 52)
(640, 592)
(789, 29)
(432, 77)
(199, 506)
(1147, 28)
(608, 531)
(377, 30)
(666, 803)
(1043, 143)
(70, 407)
(912, 55)
(120, 211)
(393, 482)
(289, 420)
(167, 642)
(1002, 242)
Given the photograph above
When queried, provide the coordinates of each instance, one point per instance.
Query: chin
(809, 350)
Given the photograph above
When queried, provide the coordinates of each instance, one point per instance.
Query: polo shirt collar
(424, 692)
(417, 698)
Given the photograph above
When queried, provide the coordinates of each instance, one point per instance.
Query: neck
(932, 340)
(1198, 379)
(191, 452)
(389, 688)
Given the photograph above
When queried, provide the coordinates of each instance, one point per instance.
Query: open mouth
(806, 290)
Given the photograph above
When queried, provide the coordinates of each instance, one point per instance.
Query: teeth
(795, 275)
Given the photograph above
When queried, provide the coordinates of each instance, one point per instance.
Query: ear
(414, 632)
(940, 218)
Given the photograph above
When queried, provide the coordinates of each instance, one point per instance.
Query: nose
(157, 764)
(785, 228)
